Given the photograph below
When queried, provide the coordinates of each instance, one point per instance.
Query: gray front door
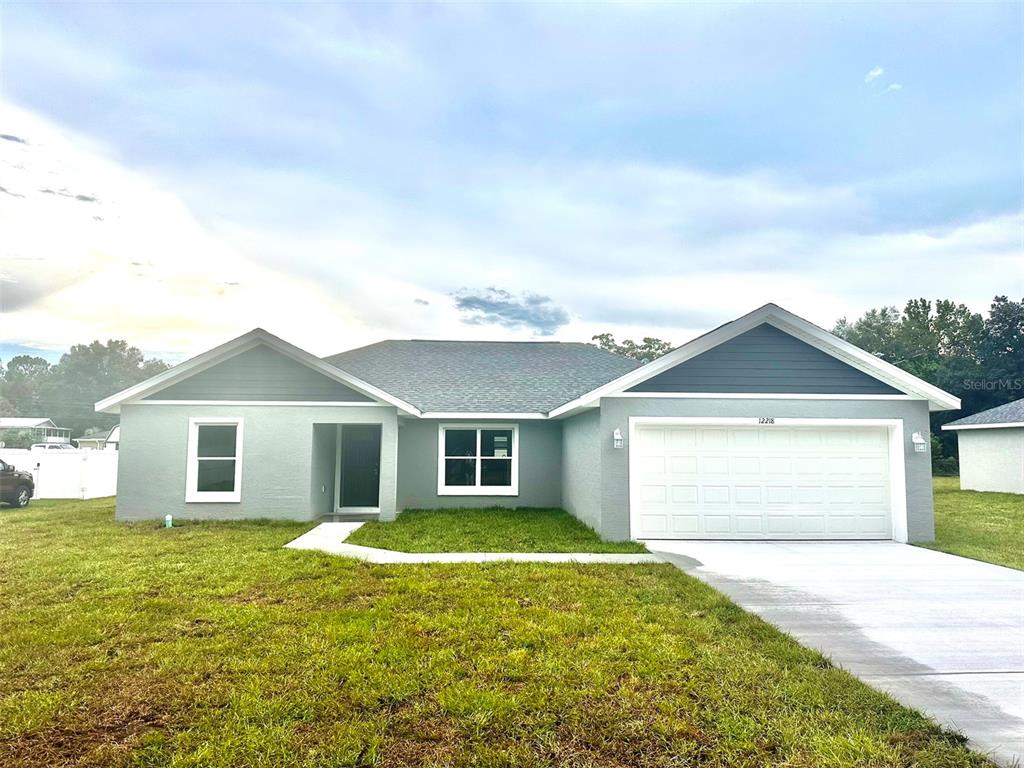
(360, 465)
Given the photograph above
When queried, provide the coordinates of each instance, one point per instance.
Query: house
(992, 449)
(36, 429)
(766, 427)
(101, 439)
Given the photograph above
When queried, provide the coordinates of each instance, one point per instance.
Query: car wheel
(22, 496)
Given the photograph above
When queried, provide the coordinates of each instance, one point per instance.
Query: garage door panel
(651, 465)
(761, 482)
(748, 494)
(714, 465)
(749, 466)
(717, 524)
(716, 494)
(684, 495)
(748, 524)
(682, 465)
(685, 524)
(652, 494)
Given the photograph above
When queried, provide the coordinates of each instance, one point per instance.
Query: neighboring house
(98, 441)
(992, 449)
(766, 427)
(42, 430)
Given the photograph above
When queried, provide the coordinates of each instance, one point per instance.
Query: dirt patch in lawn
(102, 732)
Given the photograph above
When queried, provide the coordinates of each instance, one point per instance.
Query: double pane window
(214, 460)
(478, 460)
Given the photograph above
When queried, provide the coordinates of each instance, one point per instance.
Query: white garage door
(760, 482)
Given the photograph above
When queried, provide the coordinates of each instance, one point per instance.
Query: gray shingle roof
(1011, 413)
(484, 376)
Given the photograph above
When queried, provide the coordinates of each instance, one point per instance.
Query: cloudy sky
(175, 174)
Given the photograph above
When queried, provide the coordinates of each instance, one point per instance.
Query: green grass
(487, 530)
(982, 526)
(210, 645)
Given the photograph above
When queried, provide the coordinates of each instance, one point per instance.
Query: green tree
(88, 373)
(23, 381)
(1003, 350)
(646, 351)
(980, 360)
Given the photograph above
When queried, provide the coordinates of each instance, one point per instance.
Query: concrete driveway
(941, 634)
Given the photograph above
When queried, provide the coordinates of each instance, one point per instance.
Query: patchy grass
(982, 526)
(487, 530)
(210, 645)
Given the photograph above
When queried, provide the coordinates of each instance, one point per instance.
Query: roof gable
(254, 338)
(789, 323)
(260, 373)
(765, 360)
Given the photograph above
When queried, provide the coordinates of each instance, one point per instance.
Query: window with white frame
(478, 460)
(214, 471)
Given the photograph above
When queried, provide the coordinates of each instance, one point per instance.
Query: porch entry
(358, 471)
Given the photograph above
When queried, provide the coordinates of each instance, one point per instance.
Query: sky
(176, 174)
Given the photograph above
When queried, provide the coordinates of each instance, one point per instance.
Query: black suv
(16, 488)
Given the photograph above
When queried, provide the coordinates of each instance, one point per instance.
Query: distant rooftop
(25, 422)
(1010, 414)
(484, 376)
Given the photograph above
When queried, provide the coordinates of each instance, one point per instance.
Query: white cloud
(892, 88)
(635, 249)
(874, 74)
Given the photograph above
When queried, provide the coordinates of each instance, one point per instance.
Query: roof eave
(954, 427)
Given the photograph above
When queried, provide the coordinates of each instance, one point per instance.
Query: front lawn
(487, 530)
(210, 645)
(982, 526)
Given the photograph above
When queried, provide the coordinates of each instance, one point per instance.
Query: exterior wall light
(617, 438)
(920, 444)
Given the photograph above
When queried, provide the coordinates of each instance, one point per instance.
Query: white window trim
(477, 490)
(193, 496)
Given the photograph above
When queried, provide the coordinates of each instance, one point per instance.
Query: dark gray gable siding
(766, 360)
(260, 373)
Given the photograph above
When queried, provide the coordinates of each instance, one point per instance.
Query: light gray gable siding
(765, 360)
(260, 373)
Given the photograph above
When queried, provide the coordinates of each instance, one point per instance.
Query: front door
(360, 465)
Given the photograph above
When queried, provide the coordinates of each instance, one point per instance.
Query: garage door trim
(897, 468)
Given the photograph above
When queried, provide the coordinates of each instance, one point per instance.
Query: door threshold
(353, 514)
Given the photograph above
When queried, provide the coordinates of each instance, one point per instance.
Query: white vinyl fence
(78, 474)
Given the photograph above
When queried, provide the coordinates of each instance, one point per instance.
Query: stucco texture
(285, 468)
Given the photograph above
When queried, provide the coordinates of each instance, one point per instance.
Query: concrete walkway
(941, 634)
(330, 538)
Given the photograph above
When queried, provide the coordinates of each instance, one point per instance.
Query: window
(478, 460)
(214, 471)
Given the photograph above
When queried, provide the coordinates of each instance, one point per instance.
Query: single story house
(39, 428)
(767, 427)
(992, 449)
(104, 439)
